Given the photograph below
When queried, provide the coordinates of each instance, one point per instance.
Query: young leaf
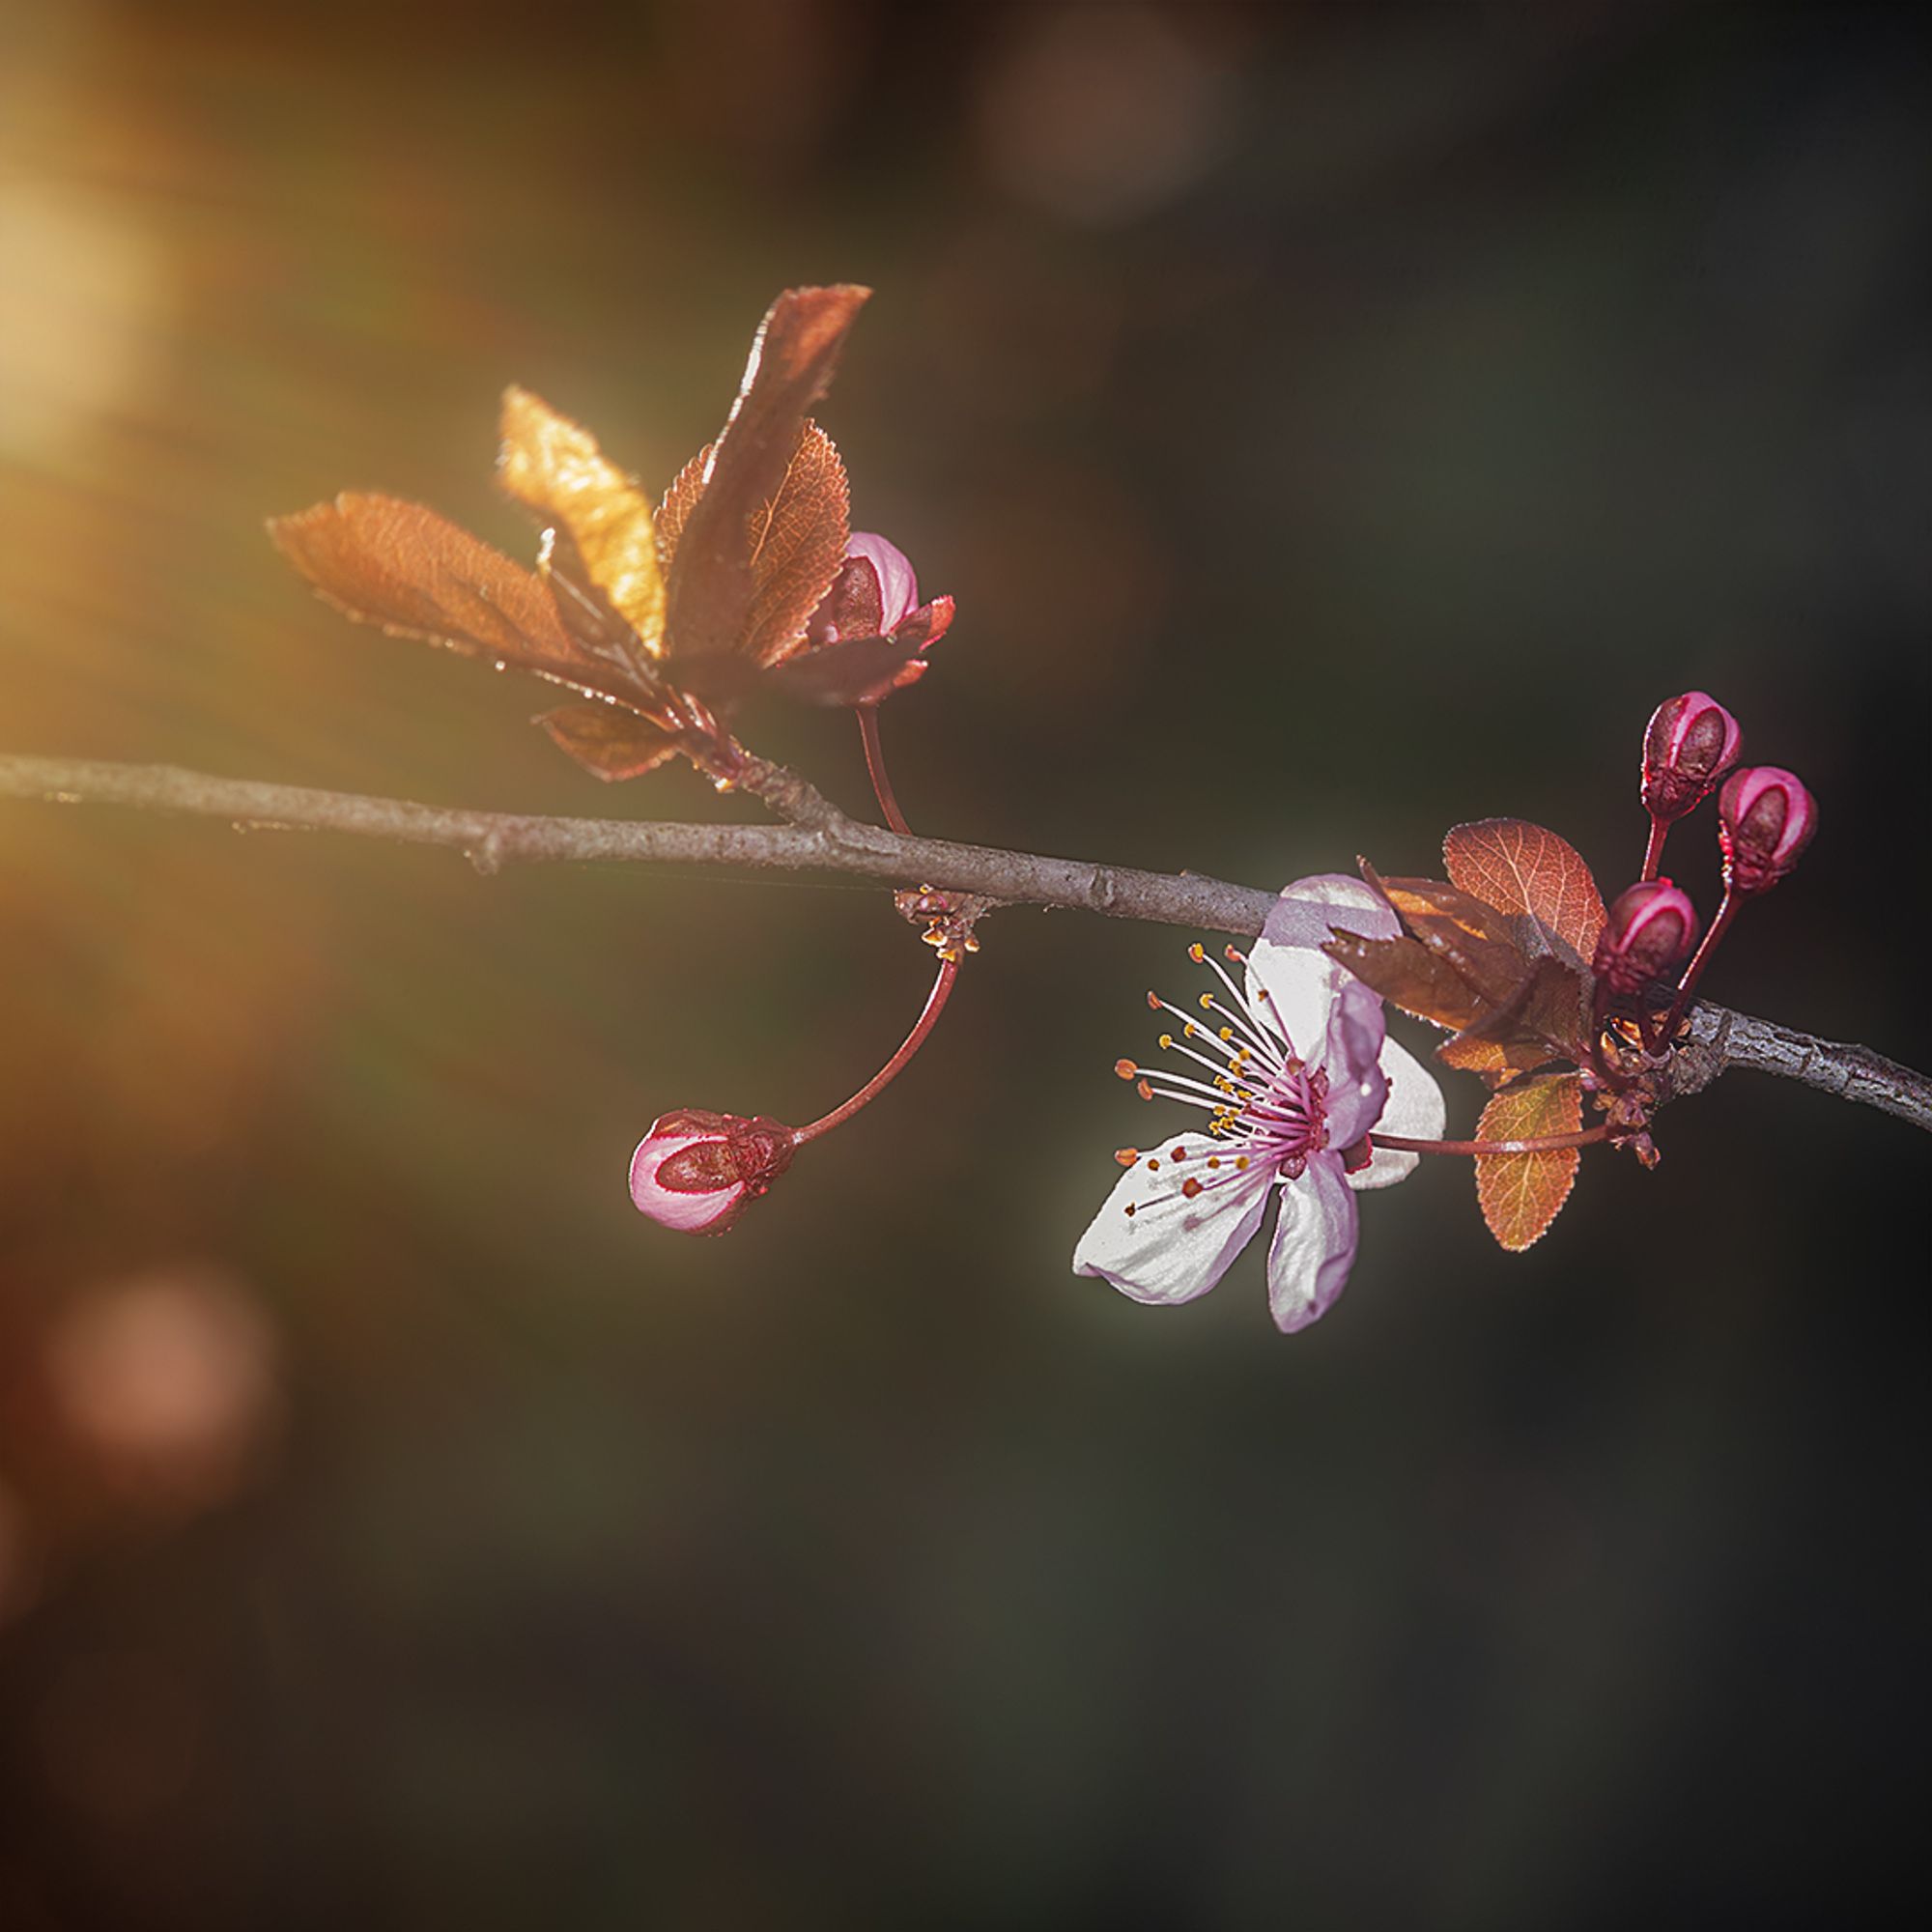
(798, 543)
(1408, 975)
(712, 581)
(1545, 1019)
(678, 502)
(418, 575)
(608, 742)
(553, 467)
(1522, 869)
(1470, 936)
(1522, 1193)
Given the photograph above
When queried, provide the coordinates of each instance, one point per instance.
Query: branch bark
(822, 839)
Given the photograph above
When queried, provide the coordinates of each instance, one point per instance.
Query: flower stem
(935, 1004)
(875, 767)
(1686, 986)
(1653, 852)
(1542, 1143)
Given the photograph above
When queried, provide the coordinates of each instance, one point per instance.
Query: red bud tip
(1648, 930)
(696, 1171)
(1765, 820)
(1691, 742)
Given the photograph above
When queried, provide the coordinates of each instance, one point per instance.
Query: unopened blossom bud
(1691, 742)
(870, 632)
(697, 1171)
(1765, 820)
(1648, 930)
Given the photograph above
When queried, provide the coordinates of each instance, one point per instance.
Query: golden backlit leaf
(553, 467)
(1522, 1193)
(1526, 870)
(713, 585)
(418, 575)
(606, 740)
(1407, 974)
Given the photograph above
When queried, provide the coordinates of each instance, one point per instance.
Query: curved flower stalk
(1295, 1070)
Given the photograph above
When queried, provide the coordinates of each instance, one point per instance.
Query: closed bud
(1648, 930)
(1691, 742)
(697, 1172)
(870, 634)
(1765, 820)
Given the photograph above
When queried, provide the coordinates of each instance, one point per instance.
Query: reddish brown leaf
(679, 501)
(1545, 1020)
(1522, 1193)
(1406, 972)
(1469, 935)
(418, 575)
(798, 542)
(1522, 869)
(856, 670)
(713, 583)
(555, 468)
(608, 741)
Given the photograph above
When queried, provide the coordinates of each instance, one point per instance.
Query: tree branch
(822, 839)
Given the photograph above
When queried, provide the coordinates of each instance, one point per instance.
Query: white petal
(1295, 987)
(1169, 1248)
(1314, 1245)
(1414, 1109)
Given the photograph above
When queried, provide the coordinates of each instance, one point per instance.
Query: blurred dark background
(1332, 426)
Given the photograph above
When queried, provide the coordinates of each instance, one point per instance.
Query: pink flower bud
(893, 572)
(1691, 742)
(1765, 820)
(697, 1172)
(870, 634)
(1648, 930)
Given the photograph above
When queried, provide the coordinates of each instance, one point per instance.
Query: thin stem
(820, 840)
(1726, 912)
(1653, 852)
(935, 1004)
(875, 767)
(1542, 1143)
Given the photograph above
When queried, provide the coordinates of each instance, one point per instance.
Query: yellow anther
(1206, 1003)
(1195, 954)
(1241, 1163)
(1167, 1039)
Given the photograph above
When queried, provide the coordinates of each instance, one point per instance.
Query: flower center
(1266, 1110)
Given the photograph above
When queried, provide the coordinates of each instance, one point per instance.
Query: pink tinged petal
(1350, 1057)
(1306, 910)
(1296, 988)
(898, 587)
(1314, 1244)
(1171, 1249)
(1287, 963)
(1414, 1110)
(680, 1209)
